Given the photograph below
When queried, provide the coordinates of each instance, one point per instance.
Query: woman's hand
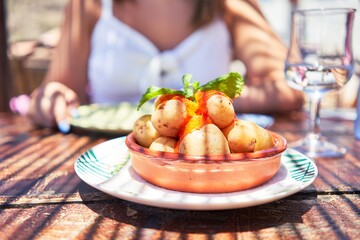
(51, 104)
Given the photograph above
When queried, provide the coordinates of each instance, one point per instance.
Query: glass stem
(314, 115)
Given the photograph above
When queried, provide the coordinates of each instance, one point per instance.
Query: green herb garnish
(230, 84)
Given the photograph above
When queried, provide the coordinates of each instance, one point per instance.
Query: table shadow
(289, 210)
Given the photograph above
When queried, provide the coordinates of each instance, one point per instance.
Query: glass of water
(320, 59)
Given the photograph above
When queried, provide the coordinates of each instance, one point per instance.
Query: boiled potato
(164, 144)
(169, 117)
(245, 136)
(220, 110)
(264, 139)
(208, 140)
(144, 131)
(162, 98)
(241, 138)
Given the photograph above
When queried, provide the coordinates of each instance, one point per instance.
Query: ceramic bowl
(206, 174)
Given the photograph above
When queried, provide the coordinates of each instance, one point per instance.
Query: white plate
(118, 119)
(107, 167)
(264, 121)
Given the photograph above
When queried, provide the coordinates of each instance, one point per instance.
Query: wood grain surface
(41, 197)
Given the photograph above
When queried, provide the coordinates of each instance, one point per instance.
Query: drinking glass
(319, 60)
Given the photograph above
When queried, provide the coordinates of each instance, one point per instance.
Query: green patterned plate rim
(107, 168)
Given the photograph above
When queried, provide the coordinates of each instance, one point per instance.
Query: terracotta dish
(206, 174)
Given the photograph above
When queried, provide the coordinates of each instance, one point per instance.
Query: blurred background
(28, 19)
(33, 31)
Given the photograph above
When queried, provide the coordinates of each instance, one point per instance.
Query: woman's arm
(263, 54)
(65, 82)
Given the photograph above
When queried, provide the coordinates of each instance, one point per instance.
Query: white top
(123, 63)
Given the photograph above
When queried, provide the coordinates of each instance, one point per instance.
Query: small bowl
(203, 173)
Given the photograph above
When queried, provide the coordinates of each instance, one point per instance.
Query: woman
(112, 50)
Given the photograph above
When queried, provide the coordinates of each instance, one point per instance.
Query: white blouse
(123, 63)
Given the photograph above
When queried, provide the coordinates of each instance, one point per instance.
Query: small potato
(169, 117)
(220, 110)
(264, 139)
(164, 144)
(144, 131)
(241, 138)
(245, 136)
(208, 140)
(157, 101)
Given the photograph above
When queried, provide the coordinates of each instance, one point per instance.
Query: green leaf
(231, 84)
(190, 86)
(153, 92)
(187, 78)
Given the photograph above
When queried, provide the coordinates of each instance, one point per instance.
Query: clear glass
(320, 59)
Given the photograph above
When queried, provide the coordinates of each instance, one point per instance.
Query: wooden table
(41, 196)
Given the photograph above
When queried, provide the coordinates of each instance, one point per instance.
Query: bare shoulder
(241, 8)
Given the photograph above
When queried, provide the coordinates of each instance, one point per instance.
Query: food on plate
(202, 146)
(169, 116)
(108, 118)
(205, 173)
(164, 144)
(207, 140)
(144, 131)
(245, 136)
(218, 107)
(241, 137)
(200, 120)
